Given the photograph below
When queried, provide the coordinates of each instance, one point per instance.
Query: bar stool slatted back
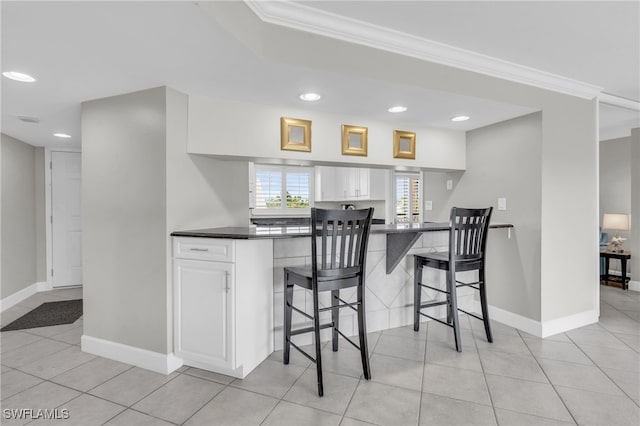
(467, 252)
(339, 263)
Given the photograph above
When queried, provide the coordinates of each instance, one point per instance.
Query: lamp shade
(616, 221)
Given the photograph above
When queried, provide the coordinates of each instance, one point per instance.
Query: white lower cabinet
(223, 308)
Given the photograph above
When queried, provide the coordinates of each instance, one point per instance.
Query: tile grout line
(603, 372)
(484, 376)
(613, 333)
(361, 376)
(224, 387)
(550, 382)
(424, 363)
(81, 393)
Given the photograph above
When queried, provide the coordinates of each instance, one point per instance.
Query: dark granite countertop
(278, 231)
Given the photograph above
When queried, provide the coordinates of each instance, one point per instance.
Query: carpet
(48, 314)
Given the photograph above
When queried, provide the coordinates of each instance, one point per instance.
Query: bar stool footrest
(312, 359)
(433, 288)
(436, 319)
(347, 339)
(310, 329)
(301, 312)
(470, 314)
(432, 304)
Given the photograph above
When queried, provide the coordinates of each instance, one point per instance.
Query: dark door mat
(48, 314)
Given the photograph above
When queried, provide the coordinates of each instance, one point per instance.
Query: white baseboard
(514, 320)
(634, 285)
(149, 360)
(45, 286)
(19, 296)
(560, 325)
(538, 328)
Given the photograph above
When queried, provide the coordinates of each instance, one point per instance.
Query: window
(408, 190)
(281, 189)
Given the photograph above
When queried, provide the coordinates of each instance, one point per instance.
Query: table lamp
(617, 222)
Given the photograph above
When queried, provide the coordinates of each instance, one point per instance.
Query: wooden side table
(623, 257)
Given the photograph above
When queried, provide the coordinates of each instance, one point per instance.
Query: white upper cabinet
(349, 183)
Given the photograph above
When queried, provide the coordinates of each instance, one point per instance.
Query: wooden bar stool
(340, 264)
(467, 252)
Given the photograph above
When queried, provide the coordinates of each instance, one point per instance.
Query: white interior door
(65, 216)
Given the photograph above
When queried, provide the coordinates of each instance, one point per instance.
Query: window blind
(407, 197)
(282, 187)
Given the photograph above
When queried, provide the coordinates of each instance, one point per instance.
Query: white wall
(22, 192)
(222, 127)
(139, 184)
(40, 212)
(503, 160)
(124, 250)
(569, 243)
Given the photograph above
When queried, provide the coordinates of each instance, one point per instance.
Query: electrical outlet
(502, 204)
(449, 185)
(428, 205)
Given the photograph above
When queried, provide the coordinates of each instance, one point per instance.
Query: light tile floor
(587, 376)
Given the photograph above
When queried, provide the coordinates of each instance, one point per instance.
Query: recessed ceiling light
(310, 97)
(18, 76)
(62, 135)
(398, 108)
(460, 118)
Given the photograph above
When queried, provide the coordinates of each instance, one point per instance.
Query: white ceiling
(81, 51)
(596, 42)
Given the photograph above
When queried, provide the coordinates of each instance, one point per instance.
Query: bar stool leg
(483, 303)
(362, 333)
(453, 307)
(316, 332)
(288, 302)
(417, 294)
(335, 317)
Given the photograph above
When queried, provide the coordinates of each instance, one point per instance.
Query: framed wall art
(354, 140)
(295, 134)
(404, 144)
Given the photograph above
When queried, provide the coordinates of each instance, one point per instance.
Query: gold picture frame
(404, 144)
(354, 140)
(295, 134)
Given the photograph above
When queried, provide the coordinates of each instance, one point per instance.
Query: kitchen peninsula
(228, 287)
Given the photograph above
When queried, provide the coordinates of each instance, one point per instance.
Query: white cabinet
(223, 303)
(204, 312)
(325, 185)
(350, 183)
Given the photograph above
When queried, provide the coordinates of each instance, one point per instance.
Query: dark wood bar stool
(339, 264)
(467, 252)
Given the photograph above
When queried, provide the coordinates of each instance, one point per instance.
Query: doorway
(66, 224)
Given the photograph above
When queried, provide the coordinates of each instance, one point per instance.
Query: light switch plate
(428, 205)
(502, 204)
(449, 184)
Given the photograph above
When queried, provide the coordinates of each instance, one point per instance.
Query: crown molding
(305, 18)
(617, 101)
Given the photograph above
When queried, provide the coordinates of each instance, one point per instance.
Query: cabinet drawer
(219, 250)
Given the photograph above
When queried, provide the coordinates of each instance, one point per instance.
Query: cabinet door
(325, 185)
(346, 183)
(362, 183)
(203, 304)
